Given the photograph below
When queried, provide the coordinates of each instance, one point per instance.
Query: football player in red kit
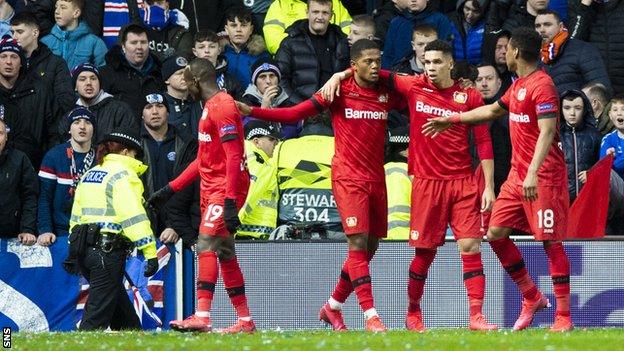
(224, 184)
(444, 190)
(359, 120)
(534, 199)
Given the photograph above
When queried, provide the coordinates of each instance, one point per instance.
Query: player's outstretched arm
(290, 114)
(548, 128)
(435, 126)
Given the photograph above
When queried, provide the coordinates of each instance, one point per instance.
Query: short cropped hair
(359, 46)
(528, 42)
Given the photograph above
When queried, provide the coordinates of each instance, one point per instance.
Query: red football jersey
(220, 122)
(446, 156)
(527, 100)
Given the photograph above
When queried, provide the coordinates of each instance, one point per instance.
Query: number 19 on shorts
(546, 220)
(213, 212)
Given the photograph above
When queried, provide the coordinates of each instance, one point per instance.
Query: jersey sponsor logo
(432, 110)
(520, 118)
(545, 107)
(521, 94)
(94, 177)
(460, 97)
(427, 90)
(414, 235)
(351, 222)
(357, 114)
(205, 137)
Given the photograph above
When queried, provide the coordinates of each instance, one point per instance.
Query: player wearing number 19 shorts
(534, 199)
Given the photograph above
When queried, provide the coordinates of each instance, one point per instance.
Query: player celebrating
(534, 198)
(444, 190)
(358, 178)
(224, 184)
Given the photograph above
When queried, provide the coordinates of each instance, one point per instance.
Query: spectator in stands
(314, 50)
(613, 144)
(570, 62)
(599, 99)
(29, 100)
(264, 91)
(259, 214)
(413, 63)
(43, 10)
(183, 110)
(6, 14)
(469, 28)
(207, 46)
(489, 84)
(602, 24)
(59, 174)
(580, 140)
(166, 149)
(384, 14)
(283, 14)
(18, 203)
(109, 112)
(71, 38)
(166, 37)
(397, 44)
(495, 50)
(205, 15)
(523, 14)
(362, 27)
(398, 183)
(243, 47)
(131, 70)
(41, 62)
(259, 9)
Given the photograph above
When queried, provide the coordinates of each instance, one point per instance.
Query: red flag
(587, 218)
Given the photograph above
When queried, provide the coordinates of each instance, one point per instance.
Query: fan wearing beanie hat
(12, 65)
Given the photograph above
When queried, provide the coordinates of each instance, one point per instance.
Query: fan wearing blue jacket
(468, 30)
(613, 143)
(72, 38)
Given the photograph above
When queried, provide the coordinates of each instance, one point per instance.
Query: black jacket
(580, 144)
(601, 25)
(578, 64)
(405, 66)
(205, 14)
(518, 17)
(184, 113)
(110, 113)
(126, 83)
(173, 40)
(32, 100)
(299, 64)
(501, 142)
(53, 70)
(382, 16)
(19, 187)
(43, 10)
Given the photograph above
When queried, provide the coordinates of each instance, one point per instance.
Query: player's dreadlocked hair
(528, 42)
(359, 46)
(440, 45)
(200, 70)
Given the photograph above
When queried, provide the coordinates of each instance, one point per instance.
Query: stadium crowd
(72, 71)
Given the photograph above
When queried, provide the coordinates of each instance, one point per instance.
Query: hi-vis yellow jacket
(399, 188)
(282, 13)
(111, 195)
(259, 214)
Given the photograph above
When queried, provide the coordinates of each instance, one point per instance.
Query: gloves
(230, 215)
(161, 196)
(151, 267)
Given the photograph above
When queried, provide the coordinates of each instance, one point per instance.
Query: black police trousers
(108, 303)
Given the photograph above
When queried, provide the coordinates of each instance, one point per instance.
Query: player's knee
(226, 250)
(358, 242)
(469, 246)
(496, 233)
(203, 243)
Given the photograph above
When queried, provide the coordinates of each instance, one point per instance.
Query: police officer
(398, 184)
(108, 213)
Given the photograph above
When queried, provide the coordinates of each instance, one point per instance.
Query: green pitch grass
(439, 339)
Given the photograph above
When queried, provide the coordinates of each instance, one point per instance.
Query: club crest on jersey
(351, 222)
(414, 235)
(521, 94)
(383, 98)
(460, 97)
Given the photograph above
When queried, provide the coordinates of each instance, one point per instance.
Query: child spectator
(413, 63)
(207, 46)
(71, 38)
(613, 143)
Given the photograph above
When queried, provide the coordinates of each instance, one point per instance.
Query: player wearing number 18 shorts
(534, 199)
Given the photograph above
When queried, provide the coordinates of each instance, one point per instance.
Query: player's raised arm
(311, 107)
(435, 126)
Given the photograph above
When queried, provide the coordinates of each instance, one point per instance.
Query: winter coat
(173, 40)
(518, 17)
(127, 83)
(467, 44)
(383, 16)
(43, 10)
(19, 188)
(580, 144)
(226, 81)
(239, 63)
(398, 42)
(53, 70)
(184, 113)
(579, 63)
(406, 65)
(205, 14)
(252, 97)
(76, 46)
(602, 25)
(298, 62)
(110, 114)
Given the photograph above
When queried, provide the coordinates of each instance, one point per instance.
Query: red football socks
(474, 280)
(511, 259)
(235, 286)
(560, 272)
(357, 262)
(208, 273)
(344, 288)
(417, 276)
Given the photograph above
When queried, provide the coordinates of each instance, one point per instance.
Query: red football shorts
(212, 222)
(438, 203)
(545, 218)
(363, 206)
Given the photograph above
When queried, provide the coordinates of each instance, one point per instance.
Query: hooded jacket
(127, 83)
(299, 64)
(19, 188)
(252, 97)
(468, 44)
(580, 144)
(76, 46)
(239, 63)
